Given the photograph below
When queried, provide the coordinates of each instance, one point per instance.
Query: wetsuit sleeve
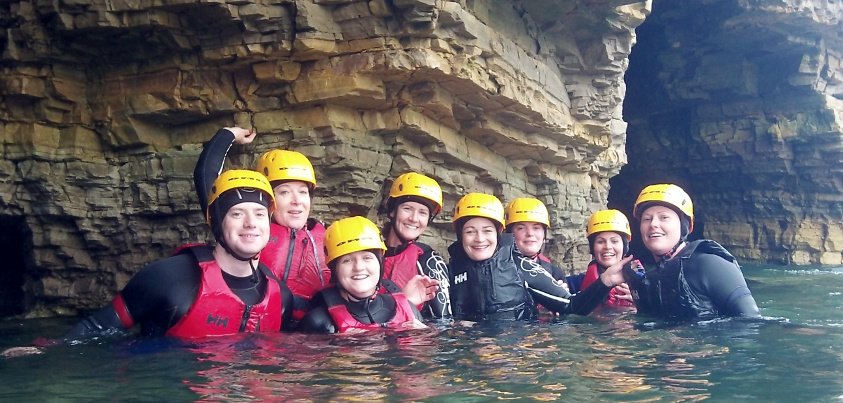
(555, 271)
(431, 264)
(102, 322)
(544, 289)
(210, 164)
(547, 292)
(317, 320)
(156, 298)
(723, 282)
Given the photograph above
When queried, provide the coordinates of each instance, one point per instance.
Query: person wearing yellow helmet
(492, 279)
(608, 234)
(355, 255)
(413, 202)
(691, 280)
(295, 252)
(204, 291)
(527, 220)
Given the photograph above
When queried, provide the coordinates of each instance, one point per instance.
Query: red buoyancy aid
(591, 276)
(297, 257)
(217, 311)
(345, 321)
(402, 267)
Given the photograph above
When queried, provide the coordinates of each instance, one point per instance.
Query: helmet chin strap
(684, 224)
(664, 257)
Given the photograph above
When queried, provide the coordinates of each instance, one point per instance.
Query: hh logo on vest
(216, 320)
(460, 278)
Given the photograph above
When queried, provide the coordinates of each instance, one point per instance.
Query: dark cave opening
(15, 246)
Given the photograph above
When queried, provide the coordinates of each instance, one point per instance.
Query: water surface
(794, 355)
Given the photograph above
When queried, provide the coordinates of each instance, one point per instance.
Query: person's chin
(608, 263)
(293, 222)
(529, 251)
(480, 256)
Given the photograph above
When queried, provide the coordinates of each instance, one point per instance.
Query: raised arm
(211, 161)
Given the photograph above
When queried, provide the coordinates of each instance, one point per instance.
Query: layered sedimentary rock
(741, 103)
(105, 105)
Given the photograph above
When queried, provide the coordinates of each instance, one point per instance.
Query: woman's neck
(392, 240)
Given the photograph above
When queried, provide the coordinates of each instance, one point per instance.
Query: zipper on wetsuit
(245, 319)
(290, 255)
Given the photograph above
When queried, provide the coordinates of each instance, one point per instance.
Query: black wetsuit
(161, 293)
(702, 281)
(380, 309)
(509, 285)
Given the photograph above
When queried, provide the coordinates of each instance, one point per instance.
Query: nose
(358, 265)
(249, 220)
(416, 216)
(295, 199)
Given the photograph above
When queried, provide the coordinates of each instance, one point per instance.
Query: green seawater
(795, 354)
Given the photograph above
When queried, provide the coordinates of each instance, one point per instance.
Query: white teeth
(360, 277)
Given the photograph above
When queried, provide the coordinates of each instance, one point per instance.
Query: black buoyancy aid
(491, 289)
(345, 321)
(217, 311)
(665, 291)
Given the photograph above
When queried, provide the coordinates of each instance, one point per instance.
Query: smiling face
(479, 238)
(529, 237)
(660, 229)
(358, 273)
(245, 228)
(608, 248)
(292, 204)
(409, 222)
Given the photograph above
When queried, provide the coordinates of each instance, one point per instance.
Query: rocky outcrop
(741, 103)
(105, 105)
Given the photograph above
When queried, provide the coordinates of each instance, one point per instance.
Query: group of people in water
(273, 267)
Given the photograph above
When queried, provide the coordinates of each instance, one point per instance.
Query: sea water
(795, 354)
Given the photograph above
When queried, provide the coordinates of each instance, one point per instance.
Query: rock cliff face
(741, 103)
(105, 105)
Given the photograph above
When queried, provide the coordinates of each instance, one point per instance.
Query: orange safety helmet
(352, 234)
(527, 209)
(667, 194)
(239, 179)
(479, 205)
(414, 185)
(608, 220)
(285, 165)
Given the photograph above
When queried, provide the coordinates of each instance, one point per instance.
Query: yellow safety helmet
(668, 194)
(352, 234)
(479, 205)
(285, 165)
(526, 209)
(243, 179)
(608, 220)
(416, 185)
